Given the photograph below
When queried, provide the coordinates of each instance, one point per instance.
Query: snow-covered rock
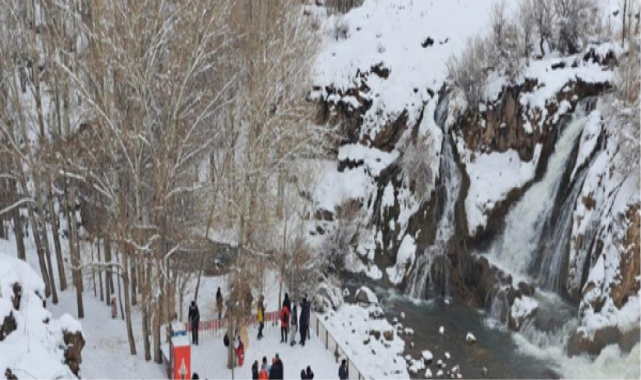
(404, 260)
(416, 365)
(439, 373)
(39, 342)
(441, 330)
(366, 295)
(522, 309)
(428, 373)
(427, 356)
(447, 355)
(388, 362)
(408, 331)
(470, 338)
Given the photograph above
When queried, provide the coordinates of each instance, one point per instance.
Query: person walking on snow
(194, 320)
(255, 370)
(219, 303)
(304, 321)
(284, 323)
(260, 316)
(343, 371)
(294, 325)
(287, 302)
(309, 374)
(278, 370)
(264, 370)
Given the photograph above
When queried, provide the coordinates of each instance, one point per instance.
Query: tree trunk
(130, 333)
(146, 291)
(102, 295)
(93, 273)
(158, 317)
(17, 221)
(53, 215)
(109, 280)
(133, 271)
(75, 253)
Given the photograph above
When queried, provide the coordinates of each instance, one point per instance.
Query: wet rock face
(630, 261)
(580, 342)
(73, 353)
(501, 126)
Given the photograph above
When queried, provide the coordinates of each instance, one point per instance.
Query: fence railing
(332, 345)
(217, 329)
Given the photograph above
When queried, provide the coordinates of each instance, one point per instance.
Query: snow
(551, 82)
(416, 365)
(428, 374)
(369, 294)
(351, 325)
(447, 355)
(589, 139)
(335, 187)
(36, 348)
(470, 338)
(441, 330)
(522, 308)
(374, 159)
(390, 33)
(404, 260)
(388, 196)
(492, 177)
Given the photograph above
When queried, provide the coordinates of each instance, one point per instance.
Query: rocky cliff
(430, 238)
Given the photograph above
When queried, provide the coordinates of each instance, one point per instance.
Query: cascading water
(450, 178)
(554, 248)
(525, 222)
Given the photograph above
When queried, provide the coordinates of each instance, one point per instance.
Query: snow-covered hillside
(33, 344)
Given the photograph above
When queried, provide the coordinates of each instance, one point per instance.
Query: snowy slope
(36, 349)
(391, 33)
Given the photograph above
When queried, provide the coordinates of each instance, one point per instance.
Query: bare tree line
(162, 121)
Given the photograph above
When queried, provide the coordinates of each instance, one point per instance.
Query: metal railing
(218, 327)
(332, 345)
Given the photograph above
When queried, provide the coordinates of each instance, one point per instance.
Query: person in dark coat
(294, 324)
(255, 370)
(195, 376)
(219, 303)
(194, 320)
(343, 371)
(303, 375)
(277, 372)
(309, 374)
(304, 321)
(287, 302)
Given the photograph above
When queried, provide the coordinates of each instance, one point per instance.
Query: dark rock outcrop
(74, 343)
(8, 326)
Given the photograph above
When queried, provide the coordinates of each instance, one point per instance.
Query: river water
(495, 349)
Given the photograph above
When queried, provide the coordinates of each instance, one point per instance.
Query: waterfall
(526, 220)
(450, 180)
(554, 248)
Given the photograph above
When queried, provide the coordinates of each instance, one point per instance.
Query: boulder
(470, 338)
(388, 335)
(580, 342)
(375, 333)
(74, 342)
(8, 326)
(366, 296)
(427, 356)
(526, 289)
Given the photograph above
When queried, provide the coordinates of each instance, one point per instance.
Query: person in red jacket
(284, 323)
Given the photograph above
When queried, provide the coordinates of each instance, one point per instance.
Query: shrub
(468, 71)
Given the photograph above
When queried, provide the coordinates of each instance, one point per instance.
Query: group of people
(267, 371)
(289, 318)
